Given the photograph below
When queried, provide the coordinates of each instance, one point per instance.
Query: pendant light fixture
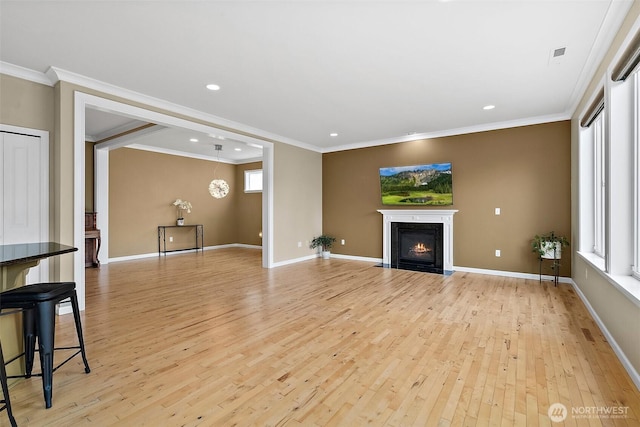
(218, 187)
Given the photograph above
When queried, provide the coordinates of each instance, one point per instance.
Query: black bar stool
(5, 402)
(38, 303)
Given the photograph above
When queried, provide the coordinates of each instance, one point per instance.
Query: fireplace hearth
(423, 239)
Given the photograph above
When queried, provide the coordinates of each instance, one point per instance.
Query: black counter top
(27, 252)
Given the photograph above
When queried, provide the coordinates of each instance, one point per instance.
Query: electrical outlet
(299, 244)
(170, 238)
(497, 211)
(497, 252)
(342, 242)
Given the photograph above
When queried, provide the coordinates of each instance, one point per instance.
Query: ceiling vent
(556, 55)
(559, 52)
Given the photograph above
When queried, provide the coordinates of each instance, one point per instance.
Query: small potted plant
(323, 242)
(181, 205)
(549, 246)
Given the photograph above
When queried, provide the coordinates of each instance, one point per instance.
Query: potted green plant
(549, 246)
(324, 242)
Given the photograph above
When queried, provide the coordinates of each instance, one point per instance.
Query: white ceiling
(371, 71)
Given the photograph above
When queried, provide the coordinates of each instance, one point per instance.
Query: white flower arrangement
(182, 205)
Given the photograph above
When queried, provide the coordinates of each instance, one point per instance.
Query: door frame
(101, 183)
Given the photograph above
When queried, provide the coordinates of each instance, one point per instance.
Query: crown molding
(56, 74)
(453, 132)
(614, 18)
(24, 73)
(171, 152)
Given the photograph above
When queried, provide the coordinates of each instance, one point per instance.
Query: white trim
(267, 206)
(79, 201)
(56, 74)
(355, 258)
(451, 132)
(635, 376)
(24, 73)
(429, 216)
(206, 248)
(635, 260)
(294, 260)
(514, 274)
(599, 49)
(179, 153)
(627, 285)
(101, 204)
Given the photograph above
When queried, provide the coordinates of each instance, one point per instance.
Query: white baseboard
(206, 248)
(294, 260)
(511, 274)
(635, 376)
(357, 258)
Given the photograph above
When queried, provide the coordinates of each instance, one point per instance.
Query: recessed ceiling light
(333, 134)
(238, 149)
(488, 107)
(194, 140)
(213, 87)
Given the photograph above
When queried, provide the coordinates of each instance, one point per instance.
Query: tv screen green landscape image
(424, 185)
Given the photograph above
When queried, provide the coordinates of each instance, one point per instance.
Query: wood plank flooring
(215, 340)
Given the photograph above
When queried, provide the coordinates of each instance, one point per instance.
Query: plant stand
(556, 271)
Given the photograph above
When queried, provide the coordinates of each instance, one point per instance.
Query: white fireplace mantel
(429, 216)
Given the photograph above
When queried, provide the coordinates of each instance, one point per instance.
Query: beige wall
(616, 311)
(142, 187)
(27, 104)
(525, 171)
(297, 201)
(248, 209)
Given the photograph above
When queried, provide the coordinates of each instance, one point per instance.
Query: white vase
(326, 254)
(180, 221)
(549, 252)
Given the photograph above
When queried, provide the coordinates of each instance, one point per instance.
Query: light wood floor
(214, 340)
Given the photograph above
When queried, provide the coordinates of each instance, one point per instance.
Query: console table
(162, 238)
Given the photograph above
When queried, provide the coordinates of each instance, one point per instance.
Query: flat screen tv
(423, 185)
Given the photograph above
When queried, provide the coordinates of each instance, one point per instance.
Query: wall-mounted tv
(425, 185)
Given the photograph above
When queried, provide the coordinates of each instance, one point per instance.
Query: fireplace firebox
(417, 246)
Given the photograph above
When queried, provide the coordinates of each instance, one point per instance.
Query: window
(599, 185)
(593, 186)
(253, 181)
(636, 180)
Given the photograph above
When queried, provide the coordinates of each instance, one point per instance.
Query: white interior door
(24, 193)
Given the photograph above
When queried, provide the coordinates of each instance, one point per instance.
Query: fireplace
(425, 243)
(417, 246)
